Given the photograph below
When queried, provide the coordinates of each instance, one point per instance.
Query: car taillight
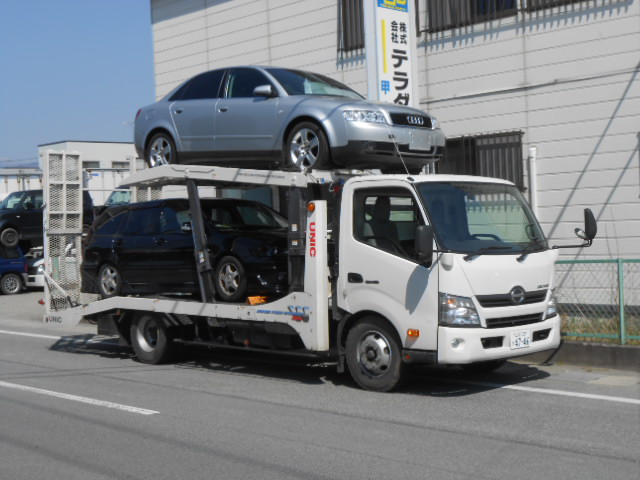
(138, 114)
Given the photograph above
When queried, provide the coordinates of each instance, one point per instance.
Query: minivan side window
(142, 221)
(111, 226)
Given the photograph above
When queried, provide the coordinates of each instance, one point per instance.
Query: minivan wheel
(9, 237)
(306, 147)
(161, 151)
(373, 352)
(230, 280)
(11, 284)
(109, 281)
(150, 339)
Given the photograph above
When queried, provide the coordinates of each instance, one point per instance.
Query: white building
(548, 87)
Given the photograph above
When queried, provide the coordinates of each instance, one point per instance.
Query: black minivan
(147, 248)
(21, 218)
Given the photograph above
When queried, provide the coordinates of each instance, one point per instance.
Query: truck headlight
(370, 116)
(458, 311)
(552, 308)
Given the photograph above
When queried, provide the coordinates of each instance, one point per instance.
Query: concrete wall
(567, 77)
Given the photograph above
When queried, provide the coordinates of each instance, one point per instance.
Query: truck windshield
(481, 218)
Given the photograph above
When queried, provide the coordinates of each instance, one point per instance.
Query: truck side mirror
(424, 244)
(590, 227)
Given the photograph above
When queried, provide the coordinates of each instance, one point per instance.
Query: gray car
(268, 117)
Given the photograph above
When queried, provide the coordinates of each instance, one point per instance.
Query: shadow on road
(433, 381)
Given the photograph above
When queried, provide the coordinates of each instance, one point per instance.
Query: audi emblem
(517, 295)
(415, 120)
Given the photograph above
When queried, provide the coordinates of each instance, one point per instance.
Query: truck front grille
(504, 300)
(514, 321)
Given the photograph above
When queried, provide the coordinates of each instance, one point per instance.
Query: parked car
(268, 117)
(148, 248)
(13, 270)
(21, 218)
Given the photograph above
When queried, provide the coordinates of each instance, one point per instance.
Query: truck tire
(374, 355)
(9, 237)
(150, 339)
(11, 284)
(230, 280)
(306, 148)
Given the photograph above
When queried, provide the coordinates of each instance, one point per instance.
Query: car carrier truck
(384, 271)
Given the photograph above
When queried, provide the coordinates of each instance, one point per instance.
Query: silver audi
(278, 118)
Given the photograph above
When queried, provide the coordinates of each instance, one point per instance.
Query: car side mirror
(186, 227)
(424, 244)
(264, 91)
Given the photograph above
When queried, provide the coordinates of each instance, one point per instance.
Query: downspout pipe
(533, 179)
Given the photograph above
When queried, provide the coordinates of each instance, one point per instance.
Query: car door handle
(159, 241)
(117, 243)
(223, 109)
(354, 278)
(177, 110)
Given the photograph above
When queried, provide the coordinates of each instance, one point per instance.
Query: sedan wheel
(161, 151)
(307, 147)
(109, 281)
(11, 284)
(230, 280)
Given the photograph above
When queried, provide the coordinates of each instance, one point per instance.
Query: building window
(532, 5)
(120, 165)
(351, 34)
(497, 155)
(446, 14)
(90, 164)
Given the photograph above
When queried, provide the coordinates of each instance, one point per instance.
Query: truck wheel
(230, 279)
(11, 284)
(306, 147)
(109, 281)
(373, 355)
(150, 339)
(9, 237)
(161, 151)
(483, 367)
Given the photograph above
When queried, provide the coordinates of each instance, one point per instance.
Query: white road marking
(76, 398)
(34, 335)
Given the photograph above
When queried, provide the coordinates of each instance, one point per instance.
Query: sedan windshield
(297, 82)
(481, 218)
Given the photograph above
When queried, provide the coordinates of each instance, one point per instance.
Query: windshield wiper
(484, 250)
(534, 246)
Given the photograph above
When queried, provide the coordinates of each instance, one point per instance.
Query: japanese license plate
(520, 339)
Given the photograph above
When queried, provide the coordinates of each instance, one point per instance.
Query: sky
(71, 70)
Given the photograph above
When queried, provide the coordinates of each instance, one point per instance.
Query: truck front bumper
(459, 346)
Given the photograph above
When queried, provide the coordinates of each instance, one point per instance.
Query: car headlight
(434, 122)
(552, 308)
(458, 311)
(371, 116)
(40, 269)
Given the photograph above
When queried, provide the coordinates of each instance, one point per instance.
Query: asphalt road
(75, 406)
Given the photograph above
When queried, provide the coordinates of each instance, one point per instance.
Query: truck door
(379, 270)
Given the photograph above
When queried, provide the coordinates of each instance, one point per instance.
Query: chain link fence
(599, 300)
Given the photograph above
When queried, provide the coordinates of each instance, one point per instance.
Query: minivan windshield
(481, 218)
(298, 82)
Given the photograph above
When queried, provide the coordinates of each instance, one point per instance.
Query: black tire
(11, 284)
(109, 281)
(230, 280)
(9, 237)
(150, 339)
(306, 147)
(161, 150)
(374, 355)
(483, 367)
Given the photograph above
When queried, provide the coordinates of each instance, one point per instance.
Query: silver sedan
(277, 118)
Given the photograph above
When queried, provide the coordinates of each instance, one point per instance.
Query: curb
(616, 357)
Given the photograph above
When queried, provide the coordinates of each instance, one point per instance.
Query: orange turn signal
(311, 207)
(413, 333)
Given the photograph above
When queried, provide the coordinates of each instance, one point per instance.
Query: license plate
(520, 339)
(420, 141)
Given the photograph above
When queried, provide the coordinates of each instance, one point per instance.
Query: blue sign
(398, 5)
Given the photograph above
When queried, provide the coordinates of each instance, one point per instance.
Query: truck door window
(387, 220)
